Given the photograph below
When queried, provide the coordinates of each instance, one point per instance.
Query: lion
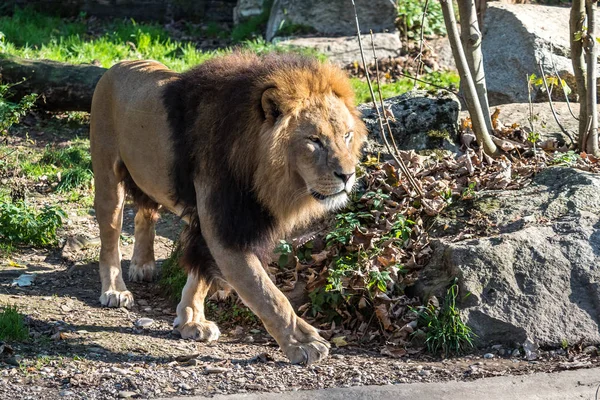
(244, 149)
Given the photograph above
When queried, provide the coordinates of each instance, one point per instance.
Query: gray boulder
(344, 50)
(535, 275)
(423, 121)
(516, 38)
(332, 17)
(246, 9)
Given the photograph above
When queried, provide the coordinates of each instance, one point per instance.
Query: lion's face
(324, 150)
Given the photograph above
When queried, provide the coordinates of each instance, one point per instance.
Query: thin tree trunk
(477, 118)
(61, 86)
(576, 22)
(591, 58)
(470, 36)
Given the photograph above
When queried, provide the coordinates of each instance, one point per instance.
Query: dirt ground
(81, 350)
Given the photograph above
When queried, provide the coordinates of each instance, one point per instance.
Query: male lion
(243, 148)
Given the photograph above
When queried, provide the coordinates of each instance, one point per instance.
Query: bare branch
(398, 160)
(403, 166)
(560, 125)
(560, 80)
(419, 57)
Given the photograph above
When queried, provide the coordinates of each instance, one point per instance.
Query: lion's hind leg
(143, 263)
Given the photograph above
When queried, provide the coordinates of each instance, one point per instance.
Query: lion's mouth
(321, 196)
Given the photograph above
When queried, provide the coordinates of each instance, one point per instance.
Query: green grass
(449, 80)
(173, 277)
(11, 113)
(74, 164)
(23, 224)
(32, 35)
(12, 326)
(410, 15)
(447, 334)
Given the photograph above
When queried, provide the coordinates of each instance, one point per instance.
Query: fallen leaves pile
(356, 268)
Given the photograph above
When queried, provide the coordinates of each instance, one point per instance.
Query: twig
(403, 166)
(419, 57)
(431, 84)
(379, 118)
(562, 128)
(560, 82)
(530, 119)
(7, 154)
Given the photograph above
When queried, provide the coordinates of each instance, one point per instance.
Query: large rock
(516, 38)
(423, 121)
(332, 17)
(344, 50)
(246, 9)
(536, 273)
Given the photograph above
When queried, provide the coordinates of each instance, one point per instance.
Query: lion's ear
(269, 104)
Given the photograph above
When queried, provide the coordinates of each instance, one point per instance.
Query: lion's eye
(315, 139)
(348, 136)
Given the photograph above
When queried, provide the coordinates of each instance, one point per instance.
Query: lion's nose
(344, 177)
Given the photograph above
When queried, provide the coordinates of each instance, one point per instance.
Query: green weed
(12, 325)
(565, 159)
(74, 178)
(410, 15)
(448, 80)
(285, 251)
(11, 113)
(446, 332)
(21, 224)
(75, 164)
(173, 276)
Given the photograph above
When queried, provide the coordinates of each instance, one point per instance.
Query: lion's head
(312, 137)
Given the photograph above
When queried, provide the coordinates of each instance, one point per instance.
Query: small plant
(21, 224)
(285, 250)
(12, 326)
(75, 161)
(469, 191)
(446, 332)
(345, 226)
(377, 199)
(74, 178)
(410, 15)
(11, 113)
(565, 159)
(173, 276)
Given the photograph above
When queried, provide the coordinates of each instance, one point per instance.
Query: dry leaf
(339, 341)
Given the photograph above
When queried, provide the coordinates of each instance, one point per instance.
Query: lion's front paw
(307, 353)
(115, 298)
(142, 272)
(305, 346)
(204, 331)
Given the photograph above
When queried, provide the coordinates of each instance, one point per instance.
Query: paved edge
(566, 385)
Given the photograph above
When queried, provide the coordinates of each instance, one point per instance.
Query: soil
(78, 349)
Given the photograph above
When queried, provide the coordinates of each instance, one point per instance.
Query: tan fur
(130, 133)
